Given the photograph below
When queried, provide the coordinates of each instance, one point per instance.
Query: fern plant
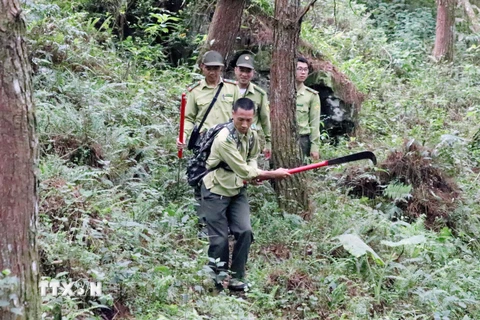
(398, 191)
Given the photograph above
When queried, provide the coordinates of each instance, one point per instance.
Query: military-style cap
(245, 60)
(212, 58)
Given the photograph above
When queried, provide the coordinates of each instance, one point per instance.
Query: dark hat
(212, 58)
(245, 60)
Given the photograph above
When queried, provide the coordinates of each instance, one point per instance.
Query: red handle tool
(182, 123)
(351, 157)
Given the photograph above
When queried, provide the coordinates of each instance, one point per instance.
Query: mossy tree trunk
(292, 193)
(444, 35)
(223, 29)
(17, 176)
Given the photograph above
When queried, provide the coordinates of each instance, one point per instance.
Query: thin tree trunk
(17, 177)
(475, 24)
(293, 192)
(444, 36)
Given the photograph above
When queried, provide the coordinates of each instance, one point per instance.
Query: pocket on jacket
(228, 98)
(302, 108)
(203, 102)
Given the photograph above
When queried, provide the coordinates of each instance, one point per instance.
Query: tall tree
(17, 176)
(225, 25)
(444, 35)
(292, 193)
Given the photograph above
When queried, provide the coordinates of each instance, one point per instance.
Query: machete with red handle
(364, 155)
(352, 157)
(182, 123)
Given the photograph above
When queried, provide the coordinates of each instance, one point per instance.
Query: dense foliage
(114, 205)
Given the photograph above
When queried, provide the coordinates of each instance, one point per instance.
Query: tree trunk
(17, 176)
(225, 25)
(475, 23)
(444, 36)
(292, 193)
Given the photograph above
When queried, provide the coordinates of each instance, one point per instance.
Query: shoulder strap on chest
(220, 86)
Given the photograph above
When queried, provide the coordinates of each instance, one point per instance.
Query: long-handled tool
(180, 138)
(364, 155)
(182, 123)
(352, 157)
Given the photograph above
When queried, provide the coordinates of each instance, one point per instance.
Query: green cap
(212, 58)
(245, 60)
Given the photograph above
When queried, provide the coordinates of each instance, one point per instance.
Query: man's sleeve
(191, 112)
(315, 123)
(229, 153)
(264, 116)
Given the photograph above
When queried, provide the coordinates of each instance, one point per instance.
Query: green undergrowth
(114, 206)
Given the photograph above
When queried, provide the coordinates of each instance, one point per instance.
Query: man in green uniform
(244, 73)
(201, 94)
(224, 202)
(308, 112)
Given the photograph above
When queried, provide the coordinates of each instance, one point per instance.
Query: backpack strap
(251, 141)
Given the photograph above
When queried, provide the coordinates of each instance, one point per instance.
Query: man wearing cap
(308, 112)
(244, 72)
(201, 94)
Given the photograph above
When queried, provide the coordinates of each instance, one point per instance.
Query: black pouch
(194, 141)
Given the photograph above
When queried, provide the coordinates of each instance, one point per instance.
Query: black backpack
(196, 166)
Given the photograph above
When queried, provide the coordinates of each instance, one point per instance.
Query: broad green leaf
(163, 269)
(412, 240)
(356, 247)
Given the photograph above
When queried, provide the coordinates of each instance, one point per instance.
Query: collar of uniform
(203, 83)
(250, 88)
(301, 89)
(240, 135)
